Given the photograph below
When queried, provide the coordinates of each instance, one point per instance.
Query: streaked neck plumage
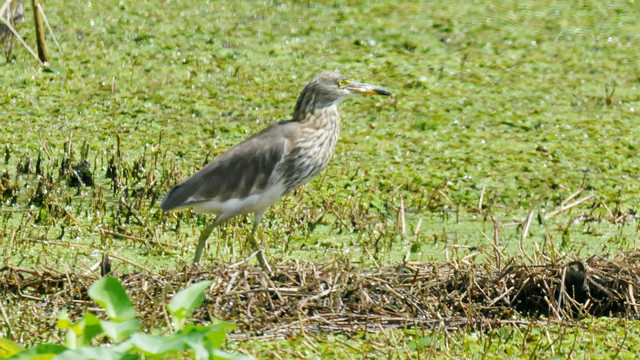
(316, 111)
(319, 122)
(321, 118)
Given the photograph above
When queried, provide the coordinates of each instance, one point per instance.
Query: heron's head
(328, 89)
(331, 86)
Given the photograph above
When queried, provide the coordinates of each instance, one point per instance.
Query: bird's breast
(309, 155)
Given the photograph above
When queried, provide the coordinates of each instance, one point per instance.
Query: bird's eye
(343, 82)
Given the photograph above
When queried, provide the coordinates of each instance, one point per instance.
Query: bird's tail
(175, 198)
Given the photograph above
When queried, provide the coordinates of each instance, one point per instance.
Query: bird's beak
(360, 88)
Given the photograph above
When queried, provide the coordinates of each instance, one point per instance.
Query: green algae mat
(512, 138)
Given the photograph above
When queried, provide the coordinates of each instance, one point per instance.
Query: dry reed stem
(564, 208)
(335, 297)
(15, 33)
(46, 22)
(104, 232)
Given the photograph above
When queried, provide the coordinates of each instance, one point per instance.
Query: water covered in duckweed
(514, 126)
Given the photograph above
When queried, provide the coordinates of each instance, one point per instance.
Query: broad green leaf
(120, 330)
(199, 351)
(207, 339)
(63, 320)
(81, 333)
(218, 354)
(8, 348)
(40, 352)
(88, 353)
(199, 338)
(218, 332)
(157, 345)
(109, 293)
(122, 347)
(187, 300)
(194, 337)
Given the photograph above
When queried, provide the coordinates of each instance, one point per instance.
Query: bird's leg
(260, 255)
(254, 243)
(203, 239)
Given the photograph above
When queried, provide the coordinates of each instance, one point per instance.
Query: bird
(256, 173)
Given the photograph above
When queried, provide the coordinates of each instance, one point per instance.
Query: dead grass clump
(337, 297)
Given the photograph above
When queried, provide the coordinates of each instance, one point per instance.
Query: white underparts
(255, 202)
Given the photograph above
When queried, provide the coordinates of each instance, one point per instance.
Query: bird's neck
(320, 117)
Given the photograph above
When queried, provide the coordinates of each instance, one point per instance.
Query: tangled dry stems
(339, 297)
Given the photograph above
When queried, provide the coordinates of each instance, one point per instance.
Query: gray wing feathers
(244, 169)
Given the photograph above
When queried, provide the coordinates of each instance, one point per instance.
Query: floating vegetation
(81, 175)
(481, 195)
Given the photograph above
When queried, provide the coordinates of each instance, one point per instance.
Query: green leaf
(120, 330)
(8, 348)
(203, 340)
(109, 293)
(187, 300)
(217, 333)
(209, 339)
(157, 345)
(81, 333)
(123, 347)
(199, 350)
(88, 353)
(40, 352)
(377, 203)
(223, 355)
(63, 320)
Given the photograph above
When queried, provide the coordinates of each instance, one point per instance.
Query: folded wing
(244, 170)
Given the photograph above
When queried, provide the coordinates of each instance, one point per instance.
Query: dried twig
(334, 297)
(21, 40)
(569, 206)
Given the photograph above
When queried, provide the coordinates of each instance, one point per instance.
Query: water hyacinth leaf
(202, 340)
(40, 352)
(187, 300)
(209, 338)
(89, 353)
(109, 293)
(81, 333)
(156, 345)
(123, 347)
(8, 348)
(218, 354)
(193, 337)
(217, 333)
(63, 320)
(199, 351)
(120, 330)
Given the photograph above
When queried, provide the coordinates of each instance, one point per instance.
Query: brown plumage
(256, 173)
